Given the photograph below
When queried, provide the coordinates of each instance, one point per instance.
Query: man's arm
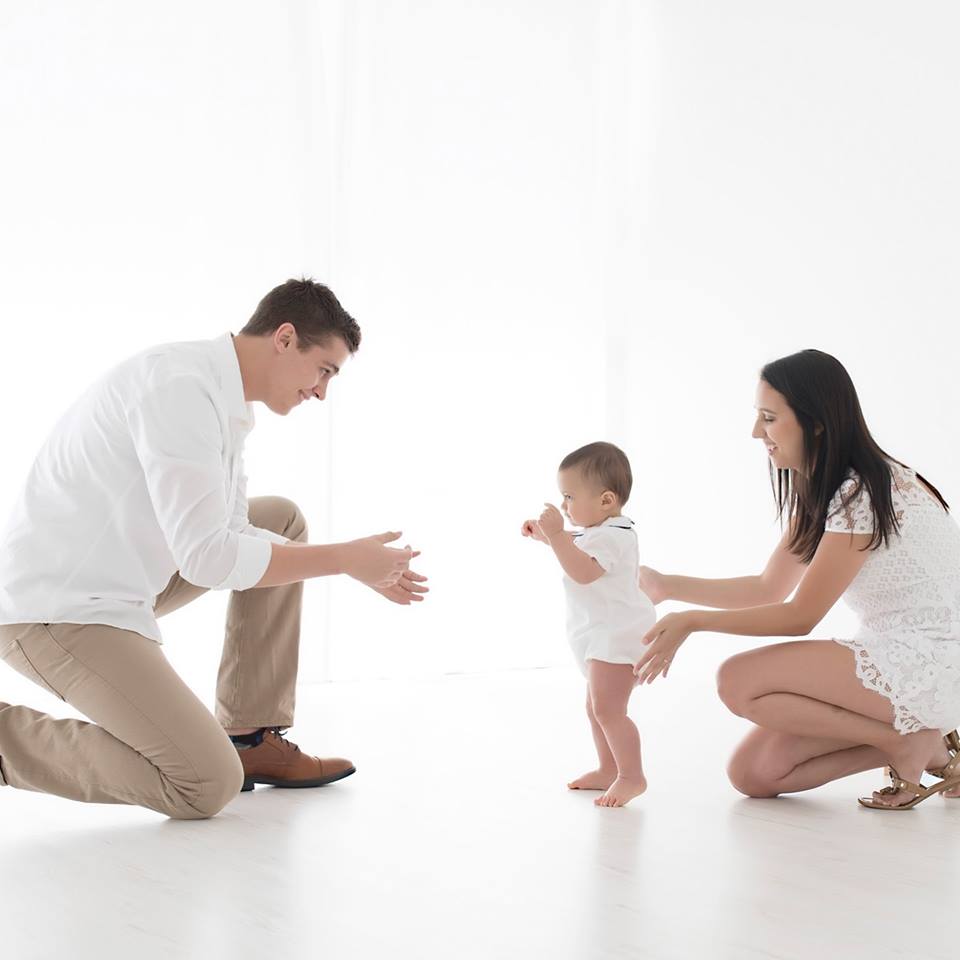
(369, 560)
(176, 434)
(177, 438)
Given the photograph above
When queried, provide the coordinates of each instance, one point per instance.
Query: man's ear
(285, 337)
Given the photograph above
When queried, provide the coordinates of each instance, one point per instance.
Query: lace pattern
(907, 597)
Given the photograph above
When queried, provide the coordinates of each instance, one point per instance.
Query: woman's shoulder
(851, 488)
(903, 480)
(850, 509)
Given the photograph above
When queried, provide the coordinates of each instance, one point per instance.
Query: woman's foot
(914, 754)
(594, 780)
(621, 792)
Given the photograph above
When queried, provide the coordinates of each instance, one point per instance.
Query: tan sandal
(950, 778)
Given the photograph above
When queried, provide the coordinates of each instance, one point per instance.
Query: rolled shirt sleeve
(241, 514)
(178, 437)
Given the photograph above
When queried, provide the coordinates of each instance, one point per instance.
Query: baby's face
(581, 501)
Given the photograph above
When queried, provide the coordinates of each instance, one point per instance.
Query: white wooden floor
(457, 839)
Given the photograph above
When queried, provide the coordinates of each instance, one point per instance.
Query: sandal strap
(950, 769)
(897, 784)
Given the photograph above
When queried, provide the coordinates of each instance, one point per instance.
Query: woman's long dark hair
(835, 441)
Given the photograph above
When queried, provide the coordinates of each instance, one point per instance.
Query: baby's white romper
(607, 619)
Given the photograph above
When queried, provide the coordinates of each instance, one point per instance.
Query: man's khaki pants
(152, 742)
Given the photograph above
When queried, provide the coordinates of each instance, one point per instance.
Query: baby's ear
(608, 498)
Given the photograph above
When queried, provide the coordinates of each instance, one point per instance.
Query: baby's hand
(532, 529)
(551, 521)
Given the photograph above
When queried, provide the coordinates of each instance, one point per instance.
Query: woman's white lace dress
(907, 596)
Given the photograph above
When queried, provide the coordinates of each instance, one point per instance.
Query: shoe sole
(250, 782)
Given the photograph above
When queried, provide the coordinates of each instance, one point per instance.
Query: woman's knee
(754, 770)
(750, 782)
(732, 683)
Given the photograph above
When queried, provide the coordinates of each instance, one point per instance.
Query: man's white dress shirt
(141, 478)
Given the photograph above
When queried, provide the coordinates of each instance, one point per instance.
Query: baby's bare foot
(621, 792)
(594, 780)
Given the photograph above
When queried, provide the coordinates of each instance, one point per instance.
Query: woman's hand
(653, 584)
(663, 641)
(551, 521)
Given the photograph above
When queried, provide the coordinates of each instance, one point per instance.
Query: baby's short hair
(604, 464)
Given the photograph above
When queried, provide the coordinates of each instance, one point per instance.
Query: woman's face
(778, 428)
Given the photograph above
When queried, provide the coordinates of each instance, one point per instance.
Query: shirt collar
(621, 523)
(228, 373)
(618, 523)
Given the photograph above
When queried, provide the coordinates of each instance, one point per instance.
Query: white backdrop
(554, 221)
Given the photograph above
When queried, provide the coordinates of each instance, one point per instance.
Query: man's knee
(221, 778)
(279, 515)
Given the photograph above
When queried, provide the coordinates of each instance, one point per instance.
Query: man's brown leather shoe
(280, 763)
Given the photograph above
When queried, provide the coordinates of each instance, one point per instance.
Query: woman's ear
(817, 429)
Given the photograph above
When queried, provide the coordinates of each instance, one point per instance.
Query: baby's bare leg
(606, 772)
(610, 687)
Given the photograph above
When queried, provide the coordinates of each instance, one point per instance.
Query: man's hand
(551, 521)
(532, 529)
(407, 589)
(372, 562)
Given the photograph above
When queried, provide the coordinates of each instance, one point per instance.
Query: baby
(607, 613)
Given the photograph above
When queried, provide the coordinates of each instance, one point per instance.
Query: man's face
(297, 375)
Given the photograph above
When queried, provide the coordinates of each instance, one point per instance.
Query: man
(136, 505)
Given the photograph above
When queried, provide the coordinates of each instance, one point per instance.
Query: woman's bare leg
(768, 763)
(610, 687)
(606, 772)
(810, 688)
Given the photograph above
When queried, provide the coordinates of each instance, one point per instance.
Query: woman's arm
(778, 580)
(837, 561)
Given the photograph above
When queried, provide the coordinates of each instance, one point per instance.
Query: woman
(861, 525)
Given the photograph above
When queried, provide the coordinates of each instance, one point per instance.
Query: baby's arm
(577, 565)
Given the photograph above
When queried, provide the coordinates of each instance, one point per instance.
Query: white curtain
(554, 221)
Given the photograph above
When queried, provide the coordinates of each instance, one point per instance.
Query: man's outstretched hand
(372, 562)
(408, 589)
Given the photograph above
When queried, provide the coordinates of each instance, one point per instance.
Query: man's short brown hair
(313, 310)
(605, 465)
